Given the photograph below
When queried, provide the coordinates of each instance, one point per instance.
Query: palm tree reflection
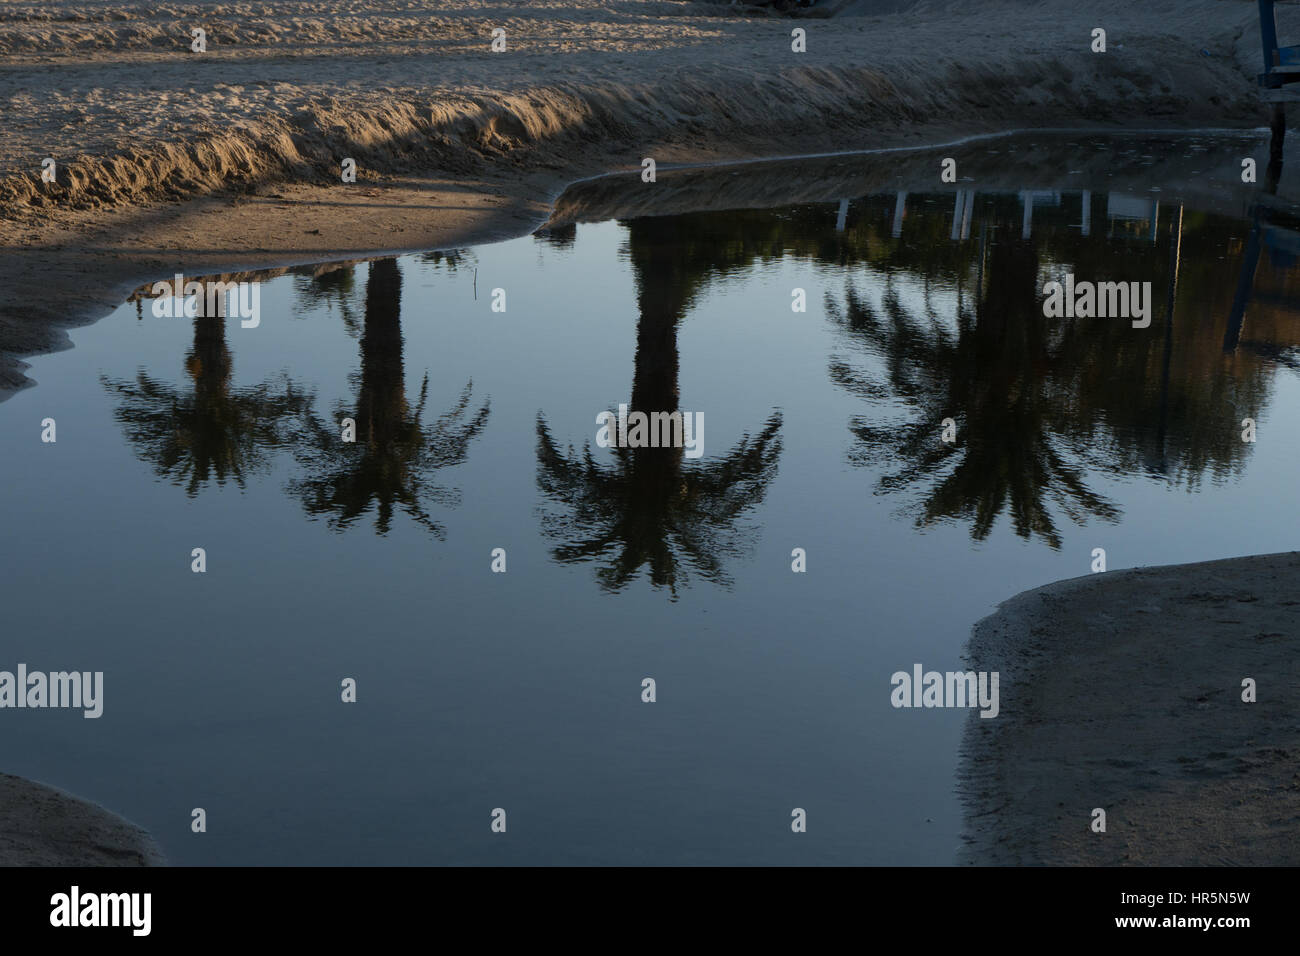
(329, 287)
(388, 467)
(992, 372)
(210, 431)
(650, 507)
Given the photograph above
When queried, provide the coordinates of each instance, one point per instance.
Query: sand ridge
(171, 161)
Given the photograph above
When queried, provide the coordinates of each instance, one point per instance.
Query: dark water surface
(522, 690)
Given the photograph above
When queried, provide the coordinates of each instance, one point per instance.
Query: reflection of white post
(961, 214)
(979, 282)
(900, 210)
(843, 215)
(1175, 261)
(1027, 224)
(1155, 218)
(1087, 212)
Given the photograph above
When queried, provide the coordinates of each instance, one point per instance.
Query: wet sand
(41, 826)
(1123, 691)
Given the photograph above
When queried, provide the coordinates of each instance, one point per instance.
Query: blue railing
(1281, 63)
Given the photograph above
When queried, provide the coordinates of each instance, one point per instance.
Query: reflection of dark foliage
(559, 237)
(211, 431)
(388, 467)
(330, 288)
(1040, 404)
(648, 508)
(453, 260)
(1008, 457)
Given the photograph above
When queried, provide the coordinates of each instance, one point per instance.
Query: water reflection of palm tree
(650, 507)
(211, 431)
(388, 466)
(992, 374)
(330, 287)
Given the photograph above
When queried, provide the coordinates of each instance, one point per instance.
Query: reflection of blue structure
(1283, 244)
(1043, 197)
(1124, 212)
(1281, 63)
(1120, 206)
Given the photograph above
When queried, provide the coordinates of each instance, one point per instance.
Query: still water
(476, 431)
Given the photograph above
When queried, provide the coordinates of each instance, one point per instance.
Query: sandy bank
(1123, 691)
(41, 826)
(1133, 161)
(228, 160)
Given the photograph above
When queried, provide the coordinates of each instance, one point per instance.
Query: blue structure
(1281, 63)
(1272, 230)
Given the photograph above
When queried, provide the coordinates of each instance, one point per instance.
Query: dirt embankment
(172, 160)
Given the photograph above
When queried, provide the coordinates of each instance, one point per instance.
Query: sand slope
(285, 92)
(41, 826)
(455, 143)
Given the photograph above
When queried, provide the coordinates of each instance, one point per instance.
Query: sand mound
(1122, 691)
(41, 826)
